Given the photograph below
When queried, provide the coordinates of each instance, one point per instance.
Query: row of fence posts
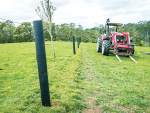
(78, 43)
(41, 60)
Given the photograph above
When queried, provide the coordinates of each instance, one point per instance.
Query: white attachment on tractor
(129, 56)
(132, 59)
(118, 58)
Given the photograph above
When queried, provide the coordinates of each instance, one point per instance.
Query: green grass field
(73, 79)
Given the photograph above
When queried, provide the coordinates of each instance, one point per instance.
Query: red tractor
(119, 42)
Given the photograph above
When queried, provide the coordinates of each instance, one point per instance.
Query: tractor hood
(119, 34)
(116, 33)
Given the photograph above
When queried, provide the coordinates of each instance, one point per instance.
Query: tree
(46, 14)
(79, 31)
(6, 31)
(27, 31)
(18, 34)
(9, 33)
(64, 31)
(2, 32)
(101, 29)
(72, 29)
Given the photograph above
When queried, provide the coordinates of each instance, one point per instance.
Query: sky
(88, 13)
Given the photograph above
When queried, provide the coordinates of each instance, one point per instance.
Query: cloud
(84, 12)
(17, 10)
(77, 12)
(61, 3)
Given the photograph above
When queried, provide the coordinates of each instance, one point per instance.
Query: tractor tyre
(133, 47)
(133, 52)
(99, 44)
(105, 47)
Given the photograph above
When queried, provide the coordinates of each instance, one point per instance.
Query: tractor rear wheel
(99, 44)
(132, 45)
(105, 47)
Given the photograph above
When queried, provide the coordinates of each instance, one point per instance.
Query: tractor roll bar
(110, 24)
(113, 24)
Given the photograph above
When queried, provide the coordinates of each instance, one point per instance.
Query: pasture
(83, 82)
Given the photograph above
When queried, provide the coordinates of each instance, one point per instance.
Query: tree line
(139, 32)
(9, 33)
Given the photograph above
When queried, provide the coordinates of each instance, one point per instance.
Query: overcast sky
(88, 13)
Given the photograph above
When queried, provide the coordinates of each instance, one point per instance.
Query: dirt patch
(95, 109)
(98, 108)
(92, 107)
(121, 108)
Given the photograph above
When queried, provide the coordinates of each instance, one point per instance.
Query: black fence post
(78, 42)
(41, 61)
(73, 40)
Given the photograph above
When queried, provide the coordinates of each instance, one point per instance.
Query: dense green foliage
(140, 33)
(9, 33)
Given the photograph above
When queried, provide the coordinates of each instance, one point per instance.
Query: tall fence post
(41, 61)
(73, 40)
(78, 42)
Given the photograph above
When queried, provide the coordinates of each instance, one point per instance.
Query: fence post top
(36, 20)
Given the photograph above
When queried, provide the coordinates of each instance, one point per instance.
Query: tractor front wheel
(99, 45)
(105, 47)
(132, 45)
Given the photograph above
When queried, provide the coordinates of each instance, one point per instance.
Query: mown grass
(121, 87)
(19, 82)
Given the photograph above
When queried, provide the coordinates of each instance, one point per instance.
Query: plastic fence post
(78, 42)
(73, 45)
(41, 61)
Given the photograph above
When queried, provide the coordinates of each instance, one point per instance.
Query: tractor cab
(106, 32)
